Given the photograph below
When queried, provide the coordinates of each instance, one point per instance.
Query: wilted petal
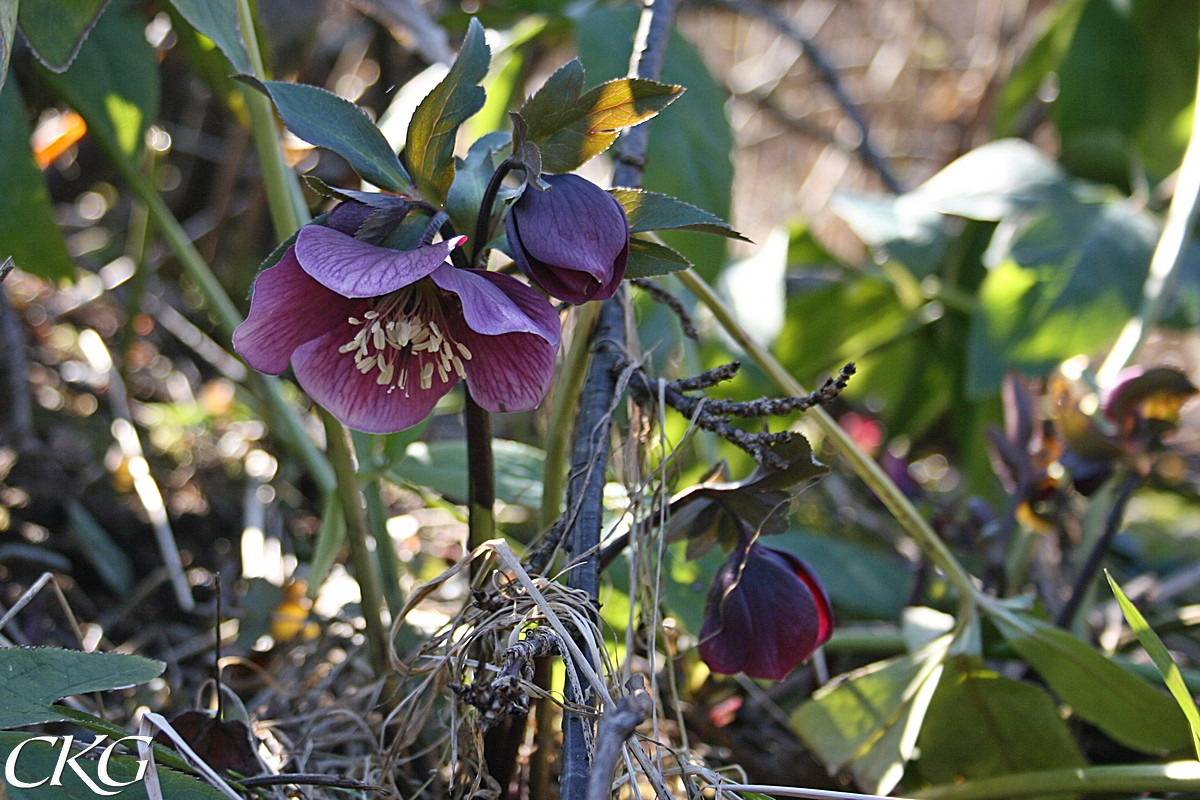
(766, 613)
(494, 304)
(332, 379)
(358, 269)
(288, 309)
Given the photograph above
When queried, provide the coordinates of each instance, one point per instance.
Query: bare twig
(829, 76)
(656, 290)
(615, 727)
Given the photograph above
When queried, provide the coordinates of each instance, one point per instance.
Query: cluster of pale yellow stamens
(389, 328)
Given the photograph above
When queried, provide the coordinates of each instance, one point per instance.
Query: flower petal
(508, 372)
(494, 304)
(331, 379)
(576, 225)
(357, 269)
(767, 612)
(288, 309)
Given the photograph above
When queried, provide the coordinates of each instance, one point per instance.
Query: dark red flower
(766, 613)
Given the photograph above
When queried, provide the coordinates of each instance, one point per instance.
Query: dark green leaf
(33, 678)
(113, 82)
(323, 119)
(552, 107)
(37, 761)
(648, 258)
(442, 466)
(868, 719)
(218, 20)
(1129, 710)
(8, 30)
(651, 211)
(56, 29)
(429, 150)
(1162, 659)
(982, 725)
(28, 232)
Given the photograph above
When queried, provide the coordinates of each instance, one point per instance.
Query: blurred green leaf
(442, 466)
(1129, 710)
(99, 549)
(323, 119)
(1023, 85)
(429, 151)
(218, 20)
(113, 81)
(647, 259)
(651, 211)
(28, 231)
(1162, 660)
(982, 725)
(33, 678)
(571, 127)
(1168, 32)
(690, 143)
(38, 761)
(1062, 283)
(55, 29)
(913, 233)
(330, 540)
(868, 719)
(867, 582)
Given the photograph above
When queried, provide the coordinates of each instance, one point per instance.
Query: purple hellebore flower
(766, 613)
(572, 241)
(377, 335)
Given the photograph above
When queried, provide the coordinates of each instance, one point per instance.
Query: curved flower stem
(481, 474)
(483, 222)
(359, 536)
(1167, 259)
(563, 408)
(866, 468)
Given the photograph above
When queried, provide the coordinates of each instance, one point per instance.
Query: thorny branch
(713, 415)
(503, 696)
(656, 290)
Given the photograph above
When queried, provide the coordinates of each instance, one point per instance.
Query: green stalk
(1176, 776)
(563, 408)
(866, 468)
(359, 537)
(1168, 256)
(283, 414)
(284, 197)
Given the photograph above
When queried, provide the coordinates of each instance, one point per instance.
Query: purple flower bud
(572, 241)
(766, 613)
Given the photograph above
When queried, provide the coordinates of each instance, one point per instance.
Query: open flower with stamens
(377, 335)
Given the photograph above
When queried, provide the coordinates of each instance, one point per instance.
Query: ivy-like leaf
(28, 233)
(653, 211)
(33, 678)
(218, 20)
(431, 133)
(56, 30)
(323, 119)
(647, 259)
(571, 128)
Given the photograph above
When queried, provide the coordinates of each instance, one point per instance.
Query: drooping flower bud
(571, 241)
(766, 613)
